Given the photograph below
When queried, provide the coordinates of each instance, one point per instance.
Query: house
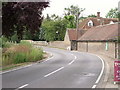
(101, 39)
(96, 21)
(74, 34)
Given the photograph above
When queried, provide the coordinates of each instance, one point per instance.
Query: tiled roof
(101, 33)
(75, 34)
(96, 22)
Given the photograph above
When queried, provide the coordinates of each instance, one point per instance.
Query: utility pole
(77, 23)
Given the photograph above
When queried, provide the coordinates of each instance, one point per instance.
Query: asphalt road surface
(66, 69)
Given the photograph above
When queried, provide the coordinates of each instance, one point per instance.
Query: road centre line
(74, 56)
(73, 59)
(54, 72)
(22, 86)
(71, 62)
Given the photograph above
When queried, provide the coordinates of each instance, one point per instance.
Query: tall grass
(23, 52)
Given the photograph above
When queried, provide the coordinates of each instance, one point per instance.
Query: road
(66, 69)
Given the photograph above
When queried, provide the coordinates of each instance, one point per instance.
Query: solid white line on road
(94, 86)
(103, 66)
(22, 67)
(54, 72)
(23, 86)
(102, 70)
(71, 62)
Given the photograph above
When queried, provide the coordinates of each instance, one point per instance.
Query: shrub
(19, 58)
(5, 43)
(14, 37)
(26, 43)
(35, 54)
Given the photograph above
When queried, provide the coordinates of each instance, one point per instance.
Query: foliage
(25, 43)
(73, 11)
(24, 52)
(14, 37)
(71, 23)
(92, 15)
(5, 42)
(113, 13)
(54, 29)
(20, 14)
(42, 34)
(26, 34)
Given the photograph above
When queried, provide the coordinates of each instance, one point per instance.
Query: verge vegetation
(18, 53)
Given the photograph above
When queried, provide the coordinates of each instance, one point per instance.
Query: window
(90, 23)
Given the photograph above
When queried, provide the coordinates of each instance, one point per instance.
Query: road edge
(26, 66)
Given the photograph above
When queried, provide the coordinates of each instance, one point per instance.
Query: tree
(14, 38)
(74, 11)
(70, 20)
(53, 30)
(22, 14)
(113, 13)
(26, 34)
(92, 15)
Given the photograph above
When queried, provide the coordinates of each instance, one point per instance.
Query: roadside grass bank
(20, 54)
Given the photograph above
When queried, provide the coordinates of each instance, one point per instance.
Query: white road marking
(103, 66)
(102, 70)
(23, 86)
(71, 62)
(75, 57)
(94, 86)
(22, 67)
(54, 72)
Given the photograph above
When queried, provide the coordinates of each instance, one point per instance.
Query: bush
(5, 43)
(26, 43)
(35, 54)
(19, 58)
(14, 38)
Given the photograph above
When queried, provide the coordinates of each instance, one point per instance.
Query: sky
(91, 6)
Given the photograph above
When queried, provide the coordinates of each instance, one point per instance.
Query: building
(74, 34)
(96, 21)
(101, 39)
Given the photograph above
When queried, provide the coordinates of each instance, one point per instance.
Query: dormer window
(90, 23)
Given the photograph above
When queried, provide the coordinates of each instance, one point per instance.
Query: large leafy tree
(19, 15)
(73, 11)
(113, 13)
(53, 29)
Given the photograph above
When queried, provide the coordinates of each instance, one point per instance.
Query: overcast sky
(91, 6)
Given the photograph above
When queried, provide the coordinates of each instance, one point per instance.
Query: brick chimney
(98, 14)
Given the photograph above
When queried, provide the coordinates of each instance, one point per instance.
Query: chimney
(98, 14)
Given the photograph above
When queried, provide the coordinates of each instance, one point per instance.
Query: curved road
(66, 69)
